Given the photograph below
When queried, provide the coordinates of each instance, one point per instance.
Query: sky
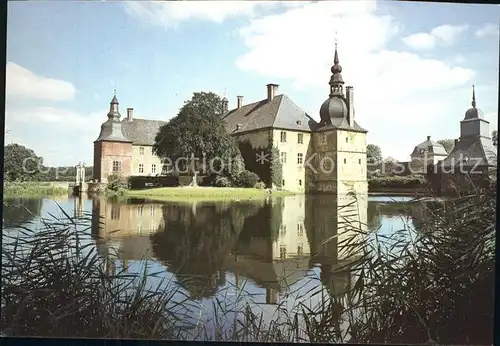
(412, 65)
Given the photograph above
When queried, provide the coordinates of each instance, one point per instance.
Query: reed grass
(32, 189)
(434, 286)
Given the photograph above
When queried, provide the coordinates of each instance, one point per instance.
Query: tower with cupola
(339, 144)
(112, 150)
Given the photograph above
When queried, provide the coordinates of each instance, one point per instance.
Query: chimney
(350, 104)
(272, 90)
(428, 138)
(130, 114)
(240, 102)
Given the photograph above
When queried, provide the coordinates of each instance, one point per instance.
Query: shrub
(397, 181)
(221, 181)
(117, 182)
(260, 185)
(247, 179)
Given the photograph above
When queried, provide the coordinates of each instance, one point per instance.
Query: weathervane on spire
(473, 96)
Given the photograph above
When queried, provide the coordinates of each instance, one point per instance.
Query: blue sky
(412, 65)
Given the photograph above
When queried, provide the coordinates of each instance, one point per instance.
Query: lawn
(203, 193)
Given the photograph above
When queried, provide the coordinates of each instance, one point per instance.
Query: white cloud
(170, 13)
(400, 97)
(447, 34)
(23, 83)
(488, 30)
(66, 138)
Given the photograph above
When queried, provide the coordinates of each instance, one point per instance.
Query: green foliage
(32, 189)
(397, 181)
(247, 179)
(448, 144)
(22, 164)
(197, 130)
(222, 181)
(276, 167)
(373, 153)
(117, 182)
(260, 185)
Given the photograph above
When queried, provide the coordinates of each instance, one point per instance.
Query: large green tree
(198, 132)
(448, 144)
(22, 164)
(373, 153)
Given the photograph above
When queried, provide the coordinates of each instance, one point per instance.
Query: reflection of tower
(335, 224)
(78, 206)
(271, 296)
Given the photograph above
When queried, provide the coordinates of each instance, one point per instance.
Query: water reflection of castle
(273, 243)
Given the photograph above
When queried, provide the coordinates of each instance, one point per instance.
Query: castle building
(316, 157)
(472, 157)
(125, 146)
(474, 147)
(328, 156)
(426, 153)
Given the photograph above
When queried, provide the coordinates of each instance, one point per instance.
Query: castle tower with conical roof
(339, 143)
(112, 150)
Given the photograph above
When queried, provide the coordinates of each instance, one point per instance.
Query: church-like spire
(473, 97)
(114, 113)
(336, 81)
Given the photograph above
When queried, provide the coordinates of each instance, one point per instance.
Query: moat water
(269, 250)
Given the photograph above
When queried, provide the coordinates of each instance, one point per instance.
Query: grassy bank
(203, 193)
(32, 189)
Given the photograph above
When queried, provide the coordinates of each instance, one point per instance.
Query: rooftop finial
(473, 97)
(336, 80)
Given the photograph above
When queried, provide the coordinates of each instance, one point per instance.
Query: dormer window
(299, 122)
(238, 127)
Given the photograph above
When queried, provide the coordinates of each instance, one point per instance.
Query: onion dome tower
(335, 106)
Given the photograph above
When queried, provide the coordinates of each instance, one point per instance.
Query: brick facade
(105, 152)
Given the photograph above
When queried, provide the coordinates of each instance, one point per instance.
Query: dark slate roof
(340, 124)
(476, 149)
(281, 112)
(431, 147)
(141, 131)
(111, 130)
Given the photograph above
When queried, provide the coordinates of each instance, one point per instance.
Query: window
(152, 210)
(117, 166)
(283, 182)
(300, 158)
(282, 230)
(300, 182)
(141, 168)
(283, 136)
(141, 150)
(153, 168)
(139, 210)
(324, 139)
(115, 212)
(346, 139)
(282, 251)
(300, 229)
(300, 138)
(283, 157)
(359, 161)
(345, 160)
